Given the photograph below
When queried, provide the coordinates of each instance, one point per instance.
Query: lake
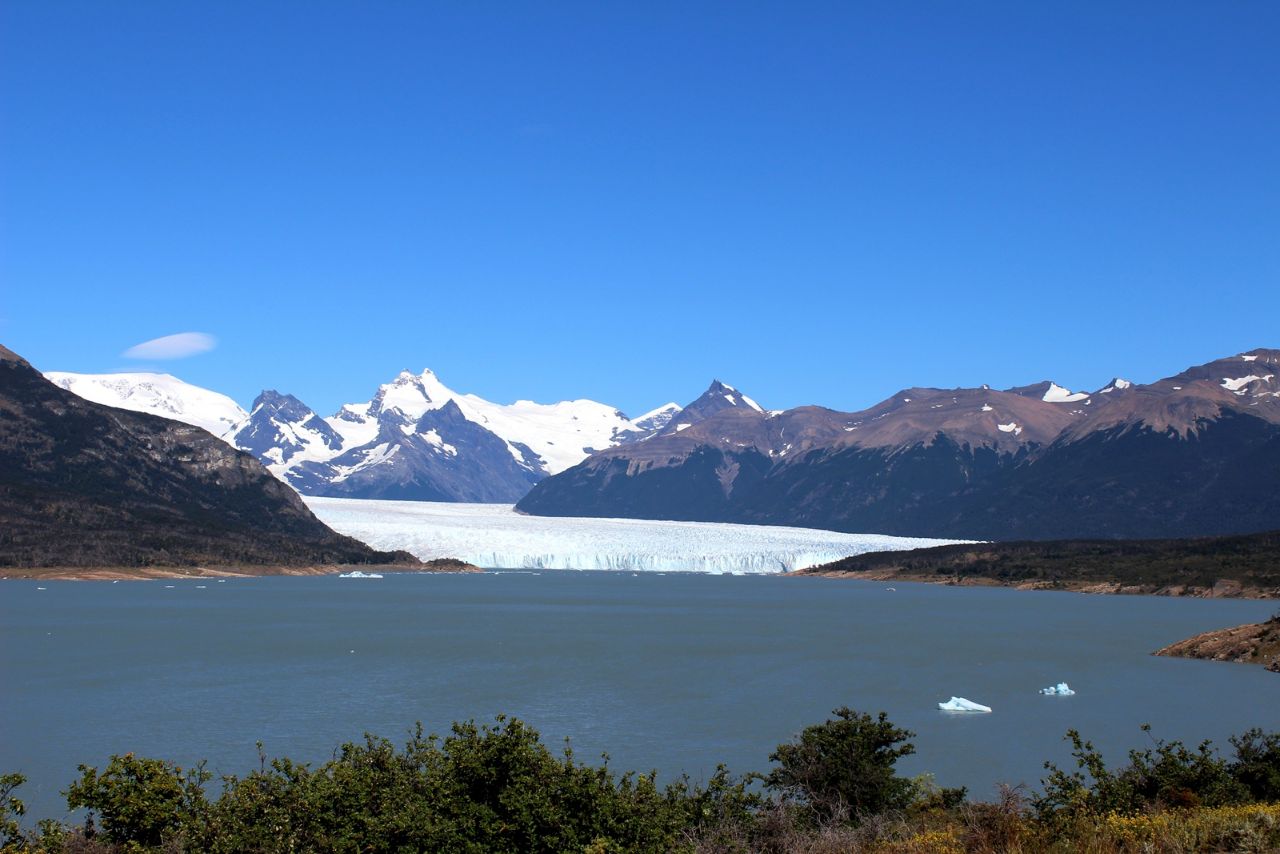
(669, 671)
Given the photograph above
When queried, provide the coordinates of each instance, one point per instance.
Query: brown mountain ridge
(1197, 453)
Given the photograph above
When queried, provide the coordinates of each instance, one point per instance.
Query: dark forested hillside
(1222, 565)
(83, 484)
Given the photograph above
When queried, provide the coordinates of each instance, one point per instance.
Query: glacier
(495, 536)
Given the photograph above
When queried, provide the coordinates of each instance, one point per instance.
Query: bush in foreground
(498, 788)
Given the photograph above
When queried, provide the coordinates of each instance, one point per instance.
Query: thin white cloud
(178, 346)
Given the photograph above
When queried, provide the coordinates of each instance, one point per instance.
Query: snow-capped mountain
(158, 394)
(546, 438)
(416, 438)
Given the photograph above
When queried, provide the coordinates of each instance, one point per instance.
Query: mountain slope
(83, 484)
(1195, 454)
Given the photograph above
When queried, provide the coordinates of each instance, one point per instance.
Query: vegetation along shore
(1244, 566)
(497, 788)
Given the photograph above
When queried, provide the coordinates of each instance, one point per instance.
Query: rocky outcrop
(1255, 643)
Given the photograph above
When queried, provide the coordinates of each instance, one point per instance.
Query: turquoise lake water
(673, 672)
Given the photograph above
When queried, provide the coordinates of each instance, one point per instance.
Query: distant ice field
(495, 536)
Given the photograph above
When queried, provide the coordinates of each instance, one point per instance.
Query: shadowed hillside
(83, 484)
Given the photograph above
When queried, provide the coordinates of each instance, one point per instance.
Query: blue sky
(818, 203)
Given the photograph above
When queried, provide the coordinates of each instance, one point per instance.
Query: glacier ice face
(494, 535)
(1059, 690)
(960, 704)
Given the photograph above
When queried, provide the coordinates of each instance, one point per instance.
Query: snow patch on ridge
(1237, 385)
(1058, 394)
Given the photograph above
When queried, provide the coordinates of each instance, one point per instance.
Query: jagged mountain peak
(284, 404)
(718, 398)
(449, 413)
(282, 430)
(1116, 384)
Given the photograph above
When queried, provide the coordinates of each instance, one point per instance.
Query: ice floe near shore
(495, 536)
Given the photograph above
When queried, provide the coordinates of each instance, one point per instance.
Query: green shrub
(142, 801)
(843, 768)
(11, 809)
(1163, 776)
(1257, 764)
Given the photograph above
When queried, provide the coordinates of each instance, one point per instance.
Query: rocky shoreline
(1255, 643)
(152, 573)
(1225, 589)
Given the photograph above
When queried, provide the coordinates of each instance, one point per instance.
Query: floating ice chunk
(1059, 690)
(355, 573)
(960, 704)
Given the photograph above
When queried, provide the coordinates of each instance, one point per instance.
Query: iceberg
(1059, 690)
(358, 574)
(960, 704)
(496, 537)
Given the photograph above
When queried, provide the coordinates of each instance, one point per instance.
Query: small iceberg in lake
(355, 573)
(1059, 690)
(960, 704)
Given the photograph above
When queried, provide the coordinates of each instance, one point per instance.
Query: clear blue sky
(813, 202)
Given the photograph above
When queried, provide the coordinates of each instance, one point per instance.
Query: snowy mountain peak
(158, 394)
(1116, 384)
(282, 430)
(717, 398)
(283, 406)
(407, 394)
(730, 395)
(656, 419)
